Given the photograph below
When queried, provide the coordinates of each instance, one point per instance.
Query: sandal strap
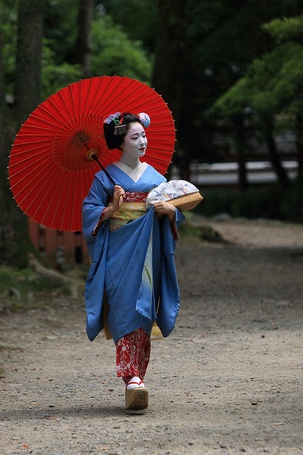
(135, 381)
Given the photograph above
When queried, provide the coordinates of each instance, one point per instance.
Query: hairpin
(119, 129)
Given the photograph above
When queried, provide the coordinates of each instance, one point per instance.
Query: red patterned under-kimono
(132, 355)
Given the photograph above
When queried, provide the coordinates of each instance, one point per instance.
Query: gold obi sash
(133, 207)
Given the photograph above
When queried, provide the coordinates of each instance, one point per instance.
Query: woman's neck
(131, 162)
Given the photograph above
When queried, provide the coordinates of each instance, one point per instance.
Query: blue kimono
(134, 265)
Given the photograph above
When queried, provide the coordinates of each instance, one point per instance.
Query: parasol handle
(94, 157)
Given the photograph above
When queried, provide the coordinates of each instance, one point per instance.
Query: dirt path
(227, 381)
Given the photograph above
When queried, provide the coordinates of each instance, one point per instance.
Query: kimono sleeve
(93, 206)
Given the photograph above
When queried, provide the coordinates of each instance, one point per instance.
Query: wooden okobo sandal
(136, 399)
(136, 395)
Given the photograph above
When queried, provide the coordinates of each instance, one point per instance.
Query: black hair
(114, 141)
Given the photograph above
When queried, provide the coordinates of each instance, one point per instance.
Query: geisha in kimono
(132, 280)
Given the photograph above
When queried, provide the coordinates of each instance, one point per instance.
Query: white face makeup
(135, 141)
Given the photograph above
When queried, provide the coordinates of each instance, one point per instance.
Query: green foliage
(204, 56)
(287, 28)
(54, 76)
(272, 83)
(114, 53)
(234, 101)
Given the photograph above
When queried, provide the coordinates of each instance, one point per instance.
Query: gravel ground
(227, 381)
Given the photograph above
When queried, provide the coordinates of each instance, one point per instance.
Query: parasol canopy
(61, 146)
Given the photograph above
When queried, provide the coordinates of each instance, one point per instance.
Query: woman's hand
(115, 205)
(118, 197)
(164, 208)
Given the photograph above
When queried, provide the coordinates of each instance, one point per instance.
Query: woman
(132, 251)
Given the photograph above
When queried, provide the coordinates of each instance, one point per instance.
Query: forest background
(226, 69)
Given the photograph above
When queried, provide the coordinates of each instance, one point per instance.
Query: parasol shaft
(94, 157)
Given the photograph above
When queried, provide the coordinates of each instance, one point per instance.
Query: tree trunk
(83, 48)
(28, 57)
(274, 157)
(169, 74)
(14, 238)
(171, 53)
(240, 146)
(3, 107)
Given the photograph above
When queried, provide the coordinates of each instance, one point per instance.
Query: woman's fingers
(119, 191)
(164, 207)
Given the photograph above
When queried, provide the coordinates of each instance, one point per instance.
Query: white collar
(134, 174)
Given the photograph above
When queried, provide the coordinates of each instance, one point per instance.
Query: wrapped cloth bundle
(180, 193)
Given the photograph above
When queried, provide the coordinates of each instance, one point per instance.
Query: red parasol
(52, 163)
